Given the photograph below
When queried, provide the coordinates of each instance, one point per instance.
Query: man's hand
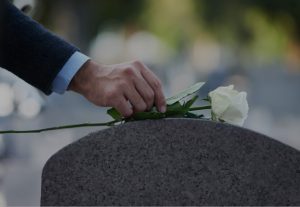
(128, 87)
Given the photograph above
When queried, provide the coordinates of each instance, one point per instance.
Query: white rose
(229, 105)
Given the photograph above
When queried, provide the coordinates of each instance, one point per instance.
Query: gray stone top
(173, 162)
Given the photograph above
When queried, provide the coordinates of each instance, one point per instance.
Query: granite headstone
(173, 162)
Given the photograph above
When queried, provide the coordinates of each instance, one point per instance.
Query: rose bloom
(229, 105)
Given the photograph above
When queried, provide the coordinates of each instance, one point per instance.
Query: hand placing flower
(229, 105)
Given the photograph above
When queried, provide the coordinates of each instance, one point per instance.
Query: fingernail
(163, 109)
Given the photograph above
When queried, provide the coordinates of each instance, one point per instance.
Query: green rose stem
(199, 108)
(111, 123)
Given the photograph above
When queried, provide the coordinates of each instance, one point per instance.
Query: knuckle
(138, 63)
(150, 97)
(157, 84)
(110, 94)
(129, 71)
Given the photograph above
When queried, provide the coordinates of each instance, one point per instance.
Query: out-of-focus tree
(265, 26)
(282, 9)
(88, 16)
(174, 21)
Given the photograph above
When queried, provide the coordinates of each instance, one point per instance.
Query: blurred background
(253, 44)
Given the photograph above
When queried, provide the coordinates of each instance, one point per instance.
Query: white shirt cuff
(66, 74)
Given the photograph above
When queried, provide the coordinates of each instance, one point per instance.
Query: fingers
(123, 107)
(156, 86)
(145, 91)
(137, 102)
(128, 87)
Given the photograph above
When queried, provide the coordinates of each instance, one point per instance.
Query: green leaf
(188, 104)
(114, 114)
(182, 94)
(175, 109)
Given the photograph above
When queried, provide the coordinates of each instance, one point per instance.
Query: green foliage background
(254, 24)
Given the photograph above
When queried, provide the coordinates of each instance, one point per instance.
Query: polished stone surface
(173, 162)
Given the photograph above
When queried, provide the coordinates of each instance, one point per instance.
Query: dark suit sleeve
(29, 50)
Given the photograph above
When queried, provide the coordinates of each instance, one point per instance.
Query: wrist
(82, 79)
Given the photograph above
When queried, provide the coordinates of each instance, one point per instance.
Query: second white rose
(229, 105)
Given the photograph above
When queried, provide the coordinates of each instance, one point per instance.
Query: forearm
(30, 51)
